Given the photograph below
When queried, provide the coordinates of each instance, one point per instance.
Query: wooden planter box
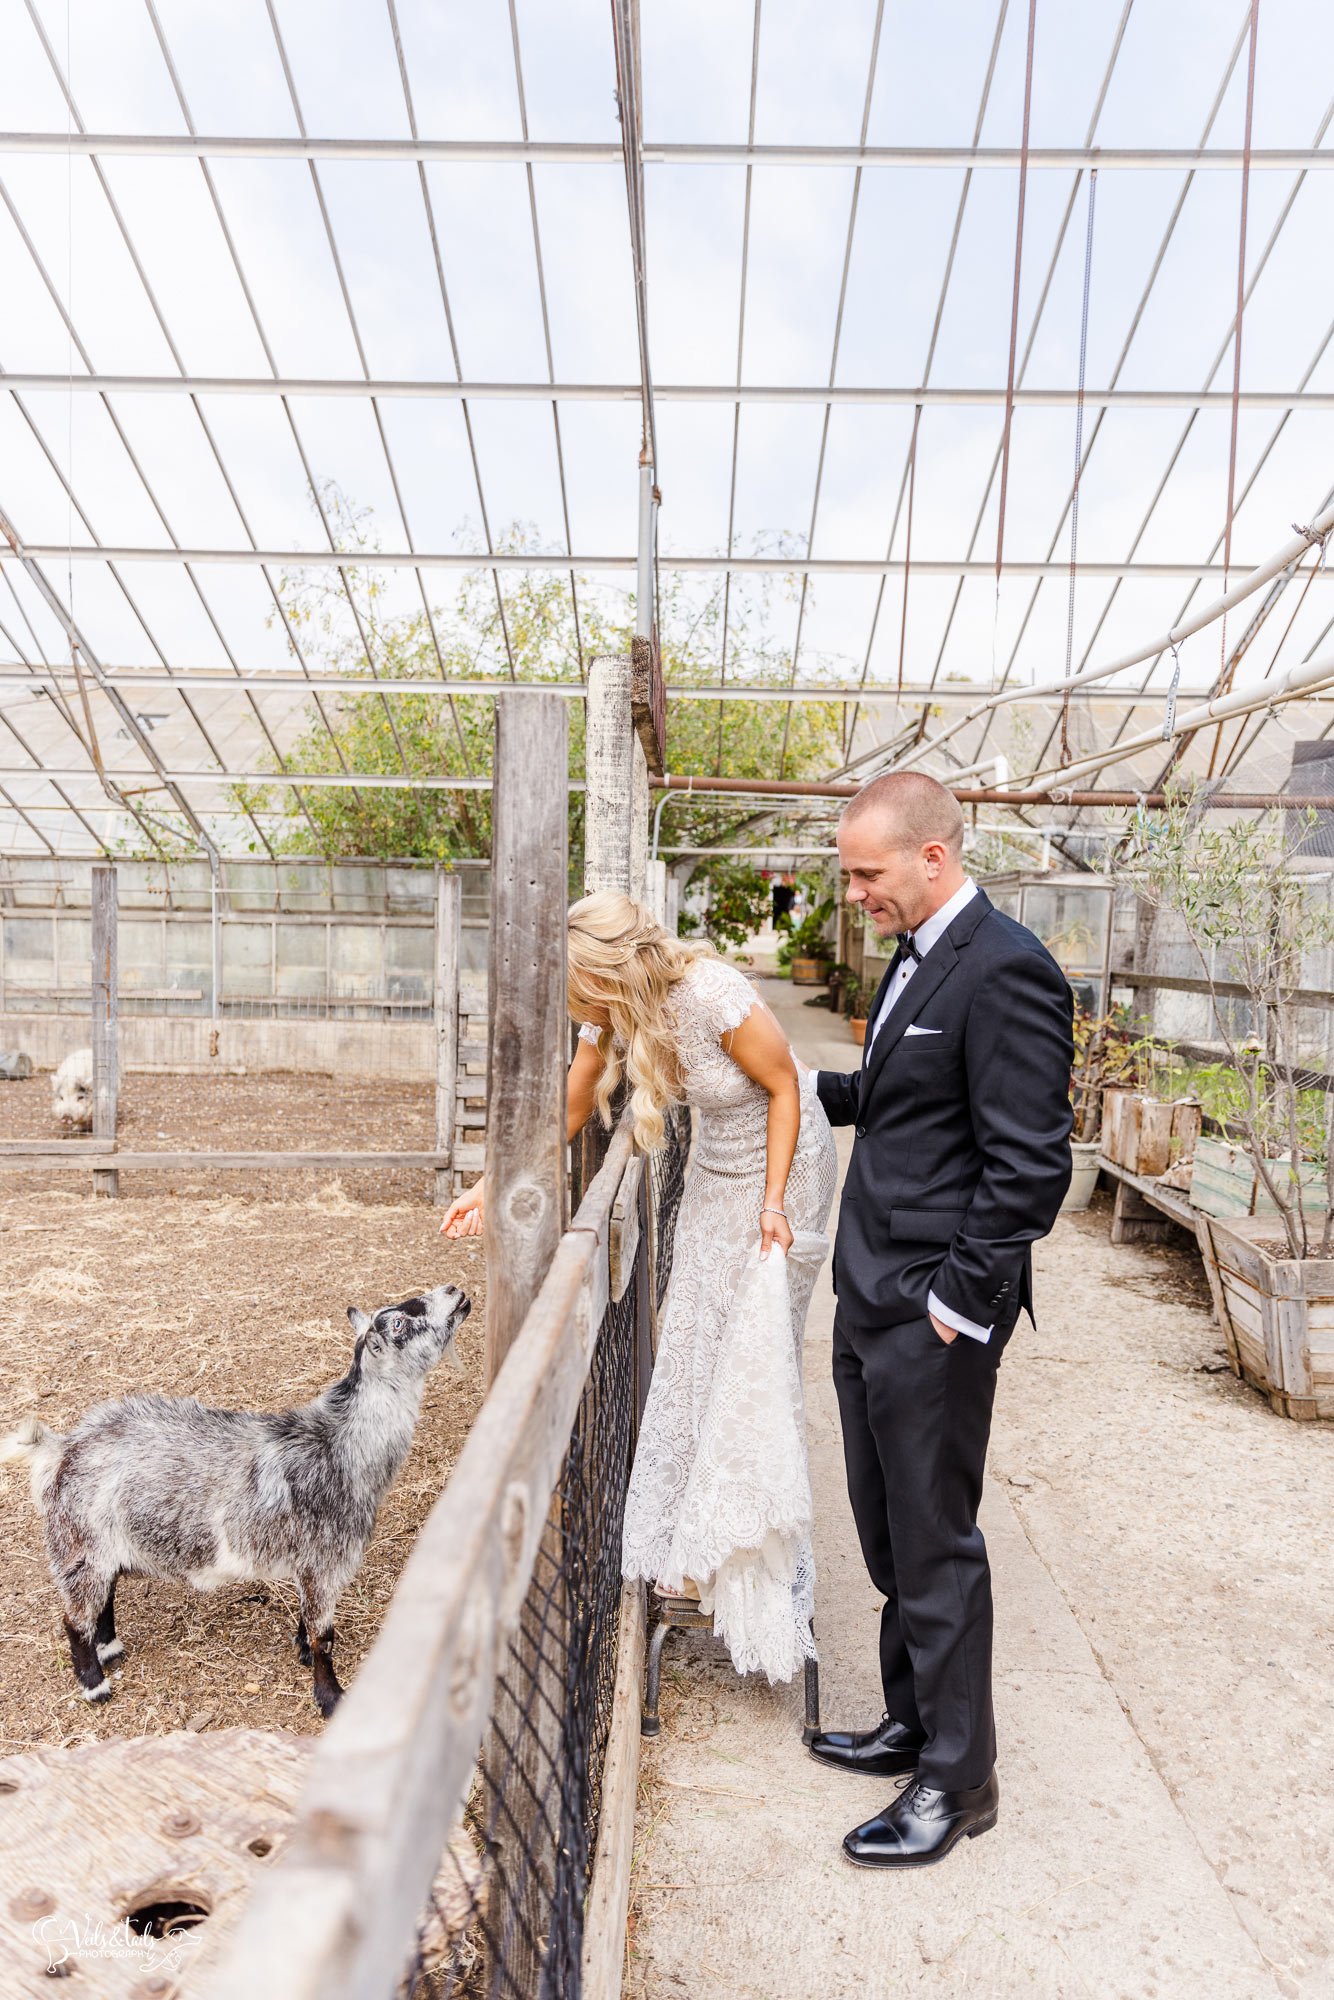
(1224, 1182)
(811, 971)
(1277, 1314)
(857, 1024)
(1145, 1135)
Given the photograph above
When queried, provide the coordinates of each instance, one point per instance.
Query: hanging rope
(907, 548)
(1079, 466)
(1224, 677)
(1014, 323)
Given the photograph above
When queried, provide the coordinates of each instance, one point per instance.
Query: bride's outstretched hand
(465, 1215)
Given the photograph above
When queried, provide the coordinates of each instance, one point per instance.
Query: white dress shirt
(924, 937)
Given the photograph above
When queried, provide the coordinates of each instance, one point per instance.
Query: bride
(719, 1498)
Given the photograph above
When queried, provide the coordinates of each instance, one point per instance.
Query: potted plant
(805, 948)
(1252, 917)
(856, 1000)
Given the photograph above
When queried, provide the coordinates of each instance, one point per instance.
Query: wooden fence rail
(336, 1916)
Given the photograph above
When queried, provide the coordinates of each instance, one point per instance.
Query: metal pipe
(788, 788)
(990, 795)
(1247, 701)
(378, 388)
(1283, 558)
(218, 680)
(705, 565)
(644, 565)
(1284, 159)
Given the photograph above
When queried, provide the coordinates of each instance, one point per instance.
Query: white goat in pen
(72, 1091)
(161, 1486)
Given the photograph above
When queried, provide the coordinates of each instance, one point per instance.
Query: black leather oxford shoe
(922, 1825)
(883, 1752)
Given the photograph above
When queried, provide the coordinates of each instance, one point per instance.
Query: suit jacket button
(861, 1131)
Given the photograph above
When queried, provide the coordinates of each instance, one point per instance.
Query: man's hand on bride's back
(465, 1215)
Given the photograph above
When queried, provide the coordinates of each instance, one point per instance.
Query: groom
(961, 1159)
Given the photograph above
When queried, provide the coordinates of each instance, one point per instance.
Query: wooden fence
(498, 1707)
(461, 1067)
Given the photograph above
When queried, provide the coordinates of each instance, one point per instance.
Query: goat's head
(406, 1340)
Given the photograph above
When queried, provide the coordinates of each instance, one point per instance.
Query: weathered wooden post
(526, 1216)
(528, 1035)
(609, 764)
(448, 940)
(106, 1053)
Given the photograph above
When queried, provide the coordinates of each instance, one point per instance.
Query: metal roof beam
(520, 152)
(853, 394)
(700, 565)
(216, 680)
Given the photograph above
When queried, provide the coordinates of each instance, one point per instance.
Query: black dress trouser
(916, 1416)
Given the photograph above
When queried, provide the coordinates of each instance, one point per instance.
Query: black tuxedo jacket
(962, 1153)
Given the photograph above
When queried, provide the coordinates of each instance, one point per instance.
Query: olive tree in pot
(1253, 917)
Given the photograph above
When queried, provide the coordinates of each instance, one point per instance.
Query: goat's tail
(41, 1447)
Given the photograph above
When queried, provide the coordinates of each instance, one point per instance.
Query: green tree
(530, 621)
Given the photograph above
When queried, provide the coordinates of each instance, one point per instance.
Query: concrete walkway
(1094, 1882)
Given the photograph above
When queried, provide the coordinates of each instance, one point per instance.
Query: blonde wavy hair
(623, 963)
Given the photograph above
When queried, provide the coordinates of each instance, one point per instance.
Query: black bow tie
(904, 940)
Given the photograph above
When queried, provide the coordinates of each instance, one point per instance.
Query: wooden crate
(1224, 1182)
(1146, 1135)
(1276, 1313)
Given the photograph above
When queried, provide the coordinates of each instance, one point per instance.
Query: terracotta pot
(858, 1026)
(811, 971)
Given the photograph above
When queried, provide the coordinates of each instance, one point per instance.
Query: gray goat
(161, 1486)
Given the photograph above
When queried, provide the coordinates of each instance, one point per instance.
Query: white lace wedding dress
(720, 1491)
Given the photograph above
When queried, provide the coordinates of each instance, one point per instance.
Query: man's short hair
(912, 808)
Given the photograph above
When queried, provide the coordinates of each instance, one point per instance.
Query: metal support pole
(644, 567)
(448, 929)
(106, 1062)
(215, 933)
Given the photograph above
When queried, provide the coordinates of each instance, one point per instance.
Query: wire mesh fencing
(506, 1916)
(667, 1172)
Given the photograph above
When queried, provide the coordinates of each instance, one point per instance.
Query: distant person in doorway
(960, 1162)
(719, 1503)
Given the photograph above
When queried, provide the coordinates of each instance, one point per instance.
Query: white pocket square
(913, 1029)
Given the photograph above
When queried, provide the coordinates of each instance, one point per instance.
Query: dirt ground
(282, 1113)
(242, 1303)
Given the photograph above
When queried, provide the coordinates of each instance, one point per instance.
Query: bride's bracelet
(774, 1211)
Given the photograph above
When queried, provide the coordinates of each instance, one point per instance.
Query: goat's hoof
(113, 1650)
(102, 1692)
(327, 1703)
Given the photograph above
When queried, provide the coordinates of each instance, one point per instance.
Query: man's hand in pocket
(947, 1333)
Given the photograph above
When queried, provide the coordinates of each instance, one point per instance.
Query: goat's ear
(360, 1321)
